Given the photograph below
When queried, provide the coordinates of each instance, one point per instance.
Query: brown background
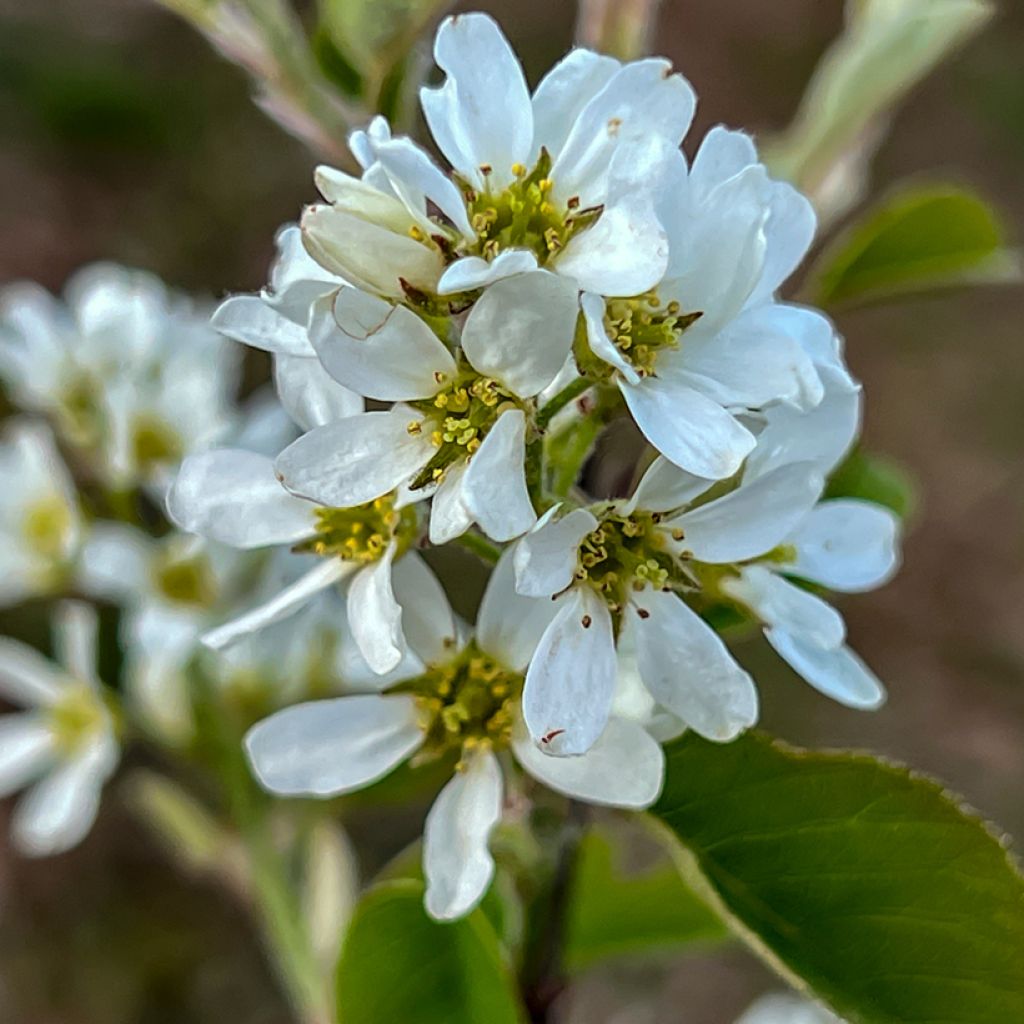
(125, 138)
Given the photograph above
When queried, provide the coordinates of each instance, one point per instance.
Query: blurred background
(127, 138)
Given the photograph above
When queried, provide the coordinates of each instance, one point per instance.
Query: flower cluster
(451, 340)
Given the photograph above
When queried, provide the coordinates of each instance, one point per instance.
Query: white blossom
(786, 1009)
(710, 341)
(63, 745)
(40, 522)
(131, 372)
(450, 696)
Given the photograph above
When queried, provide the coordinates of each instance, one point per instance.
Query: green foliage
(888, 46)
(916, 240)
(874, 478)
(399, 965)
(617, 911)
(854, 877)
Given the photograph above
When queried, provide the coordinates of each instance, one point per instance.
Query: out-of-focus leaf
(399, 965)
(374, 35)
(617, 911)
(888, 46)
(858, 879)
(917, 240)
(874, 478)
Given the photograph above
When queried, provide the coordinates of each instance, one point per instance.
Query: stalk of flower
(40, 522)
(451, 698)
(234, 497)
(116, 365)
(709, 342)
(637, 567)
(64, 744)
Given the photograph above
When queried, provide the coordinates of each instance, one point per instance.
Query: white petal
(234, 497)
(59, 810)
(664, 487)
(847, 544)
(546, 558)
(509, 626)
(296, 279)
(248, 319)
(115, 561)
(641, 99)
(571, 679)
(563, 93)
(473, 272)
(374, 616)
(692, 431)
(26, 677)
(368, 255)
(310, 395)
(481, 115)
(76, 629)
(746, 365)
(624, 768)
(781, 605)
(378, 349)
(688, 669)
(624, 253)
(789, 232)
(722, 155)
(594, 308)
(457, 865)
(27, 747)
(355, 460)
(449, 518)
(754, 518)
(427, 618)
(415, 177)
(520, 331)
(328, 747)
(822, 435)
(494, 487)
(324, 574)
(837, 673)
(362, 197)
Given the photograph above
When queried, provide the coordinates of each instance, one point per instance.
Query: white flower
(450, 697)
(132, 372)
(709, 341)
(466, 425)
(234, 497)
(64, 744)
(786, 1009)
(40, 525)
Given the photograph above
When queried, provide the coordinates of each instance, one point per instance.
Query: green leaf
(916, 240)
(853, 877)
(887, 47)
(874, 478)
(399, 965)
(616, 911)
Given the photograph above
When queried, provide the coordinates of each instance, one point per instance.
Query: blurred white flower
(131, 372)
(40, 523)
(786, 1009)
(64, 744)
(450, 697)
(710, 341)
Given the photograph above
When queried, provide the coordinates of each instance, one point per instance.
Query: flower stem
(621, 28)
(568, 394)
(480, 546)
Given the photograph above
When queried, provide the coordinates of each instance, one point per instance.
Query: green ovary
(524, 216)
(362, 533)
(187, 581)
(467, 704)
(457, 419)
(641, 328)
(625, 554)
